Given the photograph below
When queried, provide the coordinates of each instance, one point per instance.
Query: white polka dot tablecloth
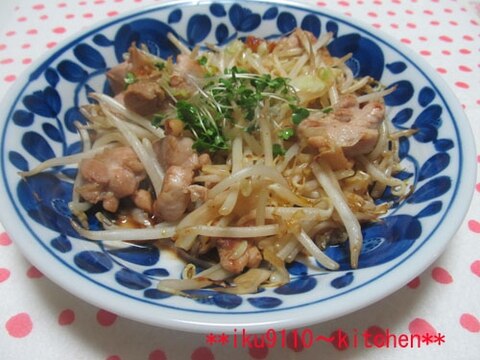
(39, 320)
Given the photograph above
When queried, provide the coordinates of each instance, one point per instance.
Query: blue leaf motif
(297, 268)
(431, 209)
(131, 279)
(265, 302)
(298, 286)
(396, 67)
(18, 160)
(71, 71)
(286, 22)
(22, 118)
(404, 147)
(175, 16)
(218, 10)
(402, 94)
(425, 134)
(443, 144)
(74, 148)
(227, 301)
(156, 272)
(198, 28)
(332, 27)
(311, 23)
(342, 281)
(37, 146)
(367, 57)
(271, 13)
(72, 115)
(52, 77)
(89, 56)
(102, 40)
(243, 19)
(221, 34)
(426, 96)
(93, 262)
(61, 243)
(70, 173)
(434, 165)
(429, 117)
(45, 103)
(402, 116)
(52, 132)
(146, 256)
(432, 189)
(156, 294)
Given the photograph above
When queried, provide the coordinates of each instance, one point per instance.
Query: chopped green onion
(286, 133)
(298, 114)
(277, 150)
(129, 78)
(202, 60)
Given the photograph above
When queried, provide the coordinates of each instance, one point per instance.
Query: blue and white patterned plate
(37, 124)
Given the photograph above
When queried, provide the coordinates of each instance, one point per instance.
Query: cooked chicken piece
(174, 150)
(235, 255)
(174, 198)
(347, 131)
(144, 97)
(111, 176)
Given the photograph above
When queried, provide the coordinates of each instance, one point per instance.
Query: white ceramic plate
(37, 124)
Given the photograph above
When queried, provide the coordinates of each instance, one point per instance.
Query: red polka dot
(10, 33)
(113, 357)
(428, 12)
(112, 13)
(62, 5)
(425, 52)
(106, 318)
(19, 325)
(452, 22)
(462, 85)
(6, 61)
(446, 52)
(26, 61)
(464, 68)
(66, 317)
(406, 41)
(25, 46)
(98, 2)
(372, 14)
(446, 38)
(44, 17)
(258, 353)
(32, 32)
(470, 323)
(376, 336)
(4, 274)
(422, 38)
(157, 355)
(34, 273)
(87, 15)
(413, 284)
(343, 3)
(338, 340)
(434, 23)
(468, 38)
(391, 13)
(294, 342)
(5, 239)
(420, 326)
(59, 30)
(464, 51)
(411, 25)
(202, 353)
(441, 275)
(51, 44)
(69, 16)
(22, 19)
(3, 47)
(38, 7)
(475, 267)
(10, 78)
(442, 70)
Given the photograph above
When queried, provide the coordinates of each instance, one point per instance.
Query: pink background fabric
(39, 320)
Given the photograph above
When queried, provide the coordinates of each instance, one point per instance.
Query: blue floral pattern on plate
(42, 118)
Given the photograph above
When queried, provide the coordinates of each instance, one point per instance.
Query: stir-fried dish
(243, 158)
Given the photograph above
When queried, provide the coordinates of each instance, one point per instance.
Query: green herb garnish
(157, 120)
(277, 150)
(286, 133)
(202, 60)
(129, 78)
(298, 114)
(160, 65)
(203, 127)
